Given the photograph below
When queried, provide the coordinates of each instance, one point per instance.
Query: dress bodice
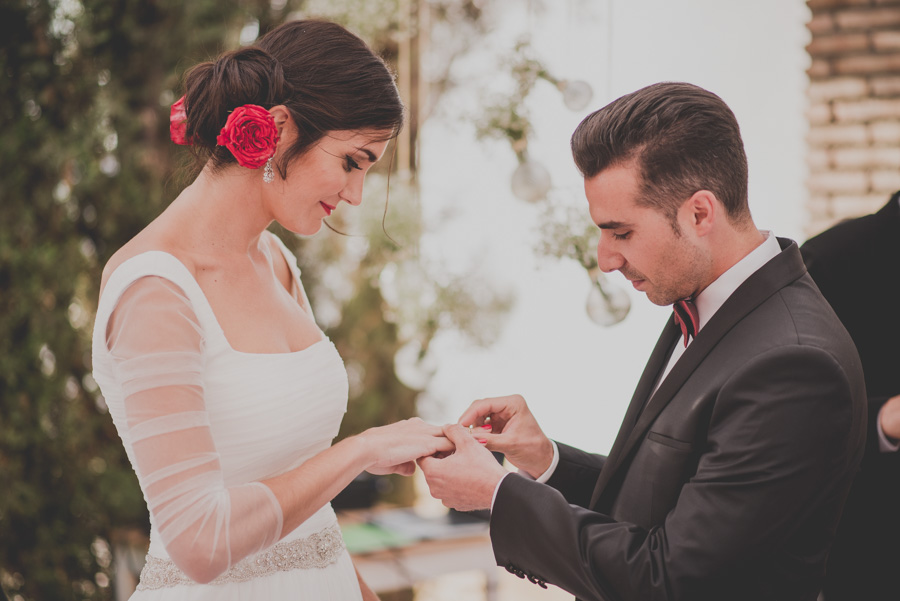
(266, 413)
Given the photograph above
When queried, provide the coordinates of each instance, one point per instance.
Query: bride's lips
(328, 208)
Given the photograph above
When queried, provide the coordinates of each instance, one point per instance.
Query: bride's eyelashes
(350, 164)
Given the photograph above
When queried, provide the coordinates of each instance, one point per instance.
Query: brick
(860, 65)
(886, 156)
(866, 19)
(849, 158)
(838, 135)
(886, 40)
(839, 43)
(826, 4)
(853, 182)
(819, 69)
(886, 181)
(816, 215)
(819, 114)
(818, 160)
(838, 88)
(866, 158)
(888, 85)
(863, 111)
(816, 226)
(818, 207)
(819, 204)
(884, 132)
(820, 214)
(821, 24)
(848, 207)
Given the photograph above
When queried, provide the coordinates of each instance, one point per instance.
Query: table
(396, 548)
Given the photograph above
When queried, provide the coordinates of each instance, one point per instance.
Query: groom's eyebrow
(612, 225)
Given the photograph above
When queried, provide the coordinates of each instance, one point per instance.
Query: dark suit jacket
(856, 265)
(729, 484)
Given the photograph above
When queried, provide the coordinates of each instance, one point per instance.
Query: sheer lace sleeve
(156, 345)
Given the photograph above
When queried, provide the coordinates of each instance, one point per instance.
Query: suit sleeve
(778, 443)
(576, 473)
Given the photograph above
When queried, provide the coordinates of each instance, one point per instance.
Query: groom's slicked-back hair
(681, 137)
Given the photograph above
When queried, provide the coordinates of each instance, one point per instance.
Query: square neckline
(206, 304)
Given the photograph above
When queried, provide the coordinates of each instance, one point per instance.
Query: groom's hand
(513, 431)
(466, 479)
(889, 418)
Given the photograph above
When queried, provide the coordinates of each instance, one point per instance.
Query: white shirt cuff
(885, 445)
(542, 478)
(546, 475)
(496, 488)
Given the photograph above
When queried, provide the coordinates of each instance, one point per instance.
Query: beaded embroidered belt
(318, 550)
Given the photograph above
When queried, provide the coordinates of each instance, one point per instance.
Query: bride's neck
(221, 213)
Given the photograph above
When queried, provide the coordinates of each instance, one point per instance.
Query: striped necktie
(686, 317)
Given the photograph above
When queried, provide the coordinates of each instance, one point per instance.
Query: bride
(225, 392)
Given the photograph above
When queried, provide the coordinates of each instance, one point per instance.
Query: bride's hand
(394, 448)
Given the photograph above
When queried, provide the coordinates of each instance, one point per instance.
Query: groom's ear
(700, 212)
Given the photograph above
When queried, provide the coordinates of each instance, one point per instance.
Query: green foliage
(507, 116)
(567, 234)
(86, 148)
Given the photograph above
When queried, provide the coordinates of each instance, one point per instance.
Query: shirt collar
(714, 296)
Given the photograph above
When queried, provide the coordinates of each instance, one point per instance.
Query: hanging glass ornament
(530, 181)
(576, 93)
(607, 303)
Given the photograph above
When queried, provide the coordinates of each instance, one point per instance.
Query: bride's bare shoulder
(145, 241)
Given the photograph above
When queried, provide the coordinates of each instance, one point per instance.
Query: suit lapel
(658, 359)
(773, 276)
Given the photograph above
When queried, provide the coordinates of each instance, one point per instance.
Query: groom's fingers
(480, 409)
(458, 435)
(461, 436)
(427, 464)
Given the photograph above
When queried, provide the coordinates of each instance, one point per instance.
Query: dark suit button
(509, 568)
(532, 579)
(542, 584)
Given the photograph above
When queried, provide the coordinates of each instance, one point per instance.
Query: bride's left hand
(394, 449)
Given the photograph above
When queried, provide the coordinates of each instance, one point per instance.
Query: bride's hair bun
(215, 88)
(327, 78)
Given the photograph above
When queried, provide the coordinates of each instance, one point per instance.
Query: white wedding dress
(202, 425)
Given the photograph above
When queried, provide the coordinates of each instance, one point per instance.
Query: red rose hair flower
(250, 134)
(178, 123)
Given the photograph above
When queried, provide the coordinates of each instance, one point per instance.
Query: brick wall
(854, 108)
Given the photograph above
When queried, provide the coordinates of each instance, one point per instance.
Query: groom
(733, 461)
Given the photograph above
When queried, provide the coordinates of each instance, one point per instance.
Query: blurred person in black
(856, 265)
